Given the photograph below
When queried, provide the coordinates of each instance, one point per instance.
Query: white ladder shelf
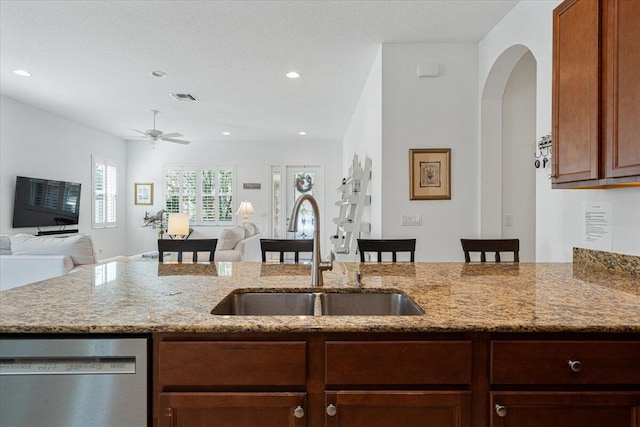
(353, 199)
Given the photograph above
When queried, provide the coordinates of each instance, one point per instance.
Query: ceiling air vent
(183, 97)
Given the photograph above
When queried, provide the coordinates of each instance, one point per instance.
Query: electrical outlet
(508, 220)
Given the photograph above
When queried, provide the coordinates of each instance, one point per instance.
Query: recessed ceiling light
(302, 133)
(293, 75)
(160, 74)
(226, 133)
(22, 73)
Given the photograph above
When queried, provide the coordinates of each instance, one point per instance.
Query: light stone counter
(144, 296)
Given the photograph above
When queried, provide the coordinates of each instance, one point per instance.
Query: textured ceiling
(92, 60)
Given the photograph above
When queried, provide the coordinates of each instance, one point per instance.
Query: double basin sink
(317, 303)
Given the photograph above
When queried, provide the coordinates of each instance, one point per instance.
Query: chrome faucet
(317, 265)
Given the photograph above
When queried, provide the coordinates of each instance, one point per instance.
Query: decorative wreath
(304, 183)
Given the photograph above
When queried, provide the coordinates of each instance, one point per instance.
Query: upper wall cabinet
(596, 94)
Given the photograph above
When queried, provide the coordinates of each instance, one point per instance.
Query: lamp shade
(245, 209)
(178, 224)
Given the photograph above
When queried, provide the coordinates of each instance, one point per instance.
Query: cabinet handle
(575, 365)
(331, 410)
(501, 410)
(298, 412)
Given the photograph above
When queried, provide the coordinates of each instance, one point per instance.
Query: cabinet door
(232, 409)
(576, 86)
(622, 71)
(398, 408)
(588, 409)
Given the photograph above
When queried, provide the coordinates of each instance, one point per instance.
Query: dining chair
(188, 245)
(387, 245)
(490, 245)
(283, 246)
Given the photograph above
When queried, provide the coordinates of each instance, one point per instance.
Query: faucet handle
(327, 265)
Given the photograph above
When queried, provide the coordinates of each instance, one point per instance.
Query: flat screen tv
(45, 202)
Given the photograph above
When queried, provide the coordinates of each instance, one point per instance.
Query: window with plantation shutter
(104, 177)
(205, 193)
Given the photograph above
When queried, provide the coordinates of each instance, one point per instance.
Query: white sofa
(241, 243)
(25, 258)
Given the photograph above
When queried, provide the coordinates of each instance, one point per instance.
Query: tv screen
(45, 202)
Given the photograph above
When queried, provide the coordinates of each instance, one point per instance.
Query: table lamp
(178, 225)
(245, 209)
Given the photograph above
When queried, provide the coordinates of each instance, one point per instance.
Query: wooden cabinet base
(580, 409)
(231, 409)
(400, 408)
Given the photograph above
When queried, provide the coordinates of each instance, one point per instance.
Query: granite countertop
(144, 296)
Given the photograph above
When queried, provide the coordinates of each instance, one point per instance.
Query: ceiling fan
(155, 134)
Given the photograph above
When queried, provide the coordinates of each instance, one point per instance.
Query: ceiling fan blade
(173, 135)
(139, 131)
(179, 141)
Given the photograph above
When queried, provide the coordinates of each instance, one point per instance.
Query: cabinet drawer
(565, 362)
(397, 362)
(566, 409)
(398, 408)
(226, 363)
(231, 409)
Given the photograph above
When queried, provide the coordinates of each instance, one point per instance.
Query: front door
(288, 183)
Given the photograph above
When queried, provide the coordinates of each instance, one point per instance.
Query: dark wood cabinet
(576, 77)
(380, 370)
(318, 379)
(622, 90)
(230, 383)
(596, 99)
(184, 409)
(545, 383)
(566, 409)
(398, 408)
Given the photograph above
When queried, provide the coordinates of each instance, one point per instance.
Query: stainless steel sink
(353, 302)
(267, 304)
(368, 304)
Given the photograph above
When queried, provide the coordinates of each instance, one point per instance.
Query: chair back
(283, 246)
(188, 245)
(490, 245)
(387, 245)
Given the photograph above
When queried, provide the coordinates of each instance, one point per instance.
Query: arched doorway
(508, 136)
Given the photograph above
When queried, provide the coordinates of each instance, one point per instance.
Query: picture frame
(144, 193)
(430, 174)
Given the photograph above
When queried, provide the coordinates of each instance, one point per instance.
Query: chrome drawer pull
(298, 412)
(501, 410)
(575, 365)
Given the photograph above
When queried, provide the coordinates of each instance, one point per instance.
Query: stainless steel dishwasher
(71, 382)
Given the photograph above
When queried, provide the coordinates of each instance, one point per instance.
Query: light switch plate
(411, 219)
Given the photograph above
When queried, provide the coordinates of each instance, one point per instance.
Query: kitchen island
(144, 297)
(497, 344)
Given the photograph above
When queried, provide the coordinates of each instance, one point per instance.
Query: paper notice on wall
(596, 225)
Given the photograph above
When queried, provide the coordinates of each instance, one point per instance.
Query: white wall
(439, 112)
(558, 212)
(364, 138)
(518, 171)
(40, 144)
(252, 161)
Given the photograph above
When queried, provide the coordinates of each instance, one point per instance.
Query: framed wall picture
(144, 193)
(430, 173)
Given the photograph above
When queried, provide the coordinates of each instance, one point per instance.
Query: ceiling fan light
(293, 74)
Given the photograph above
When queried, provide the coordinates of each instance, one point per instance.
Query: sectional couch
(25, 258)
(241, 243)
